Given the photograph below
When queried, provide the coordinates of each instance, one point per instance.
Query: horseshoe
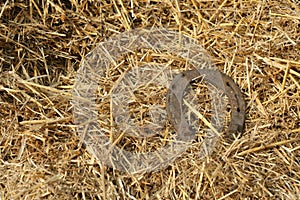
(217, 79)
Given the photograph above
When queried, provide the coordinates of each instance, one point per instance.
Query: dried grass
(43, 43)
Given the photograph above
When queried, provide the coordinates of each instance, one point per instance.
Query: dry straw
(42, 45)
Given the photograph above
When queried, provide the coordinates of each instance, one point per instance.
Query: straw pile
(44, 42)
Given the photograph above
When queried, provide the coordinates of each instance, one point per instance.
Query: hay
(43, 44)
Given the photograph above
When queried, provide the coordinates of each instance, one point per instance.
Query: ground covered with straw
(42, 45)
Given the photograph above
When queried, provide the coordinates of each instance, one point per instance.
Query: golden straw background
(42, 45)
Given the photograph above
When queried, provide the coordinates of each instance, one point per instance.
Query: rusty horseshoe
(218, 80)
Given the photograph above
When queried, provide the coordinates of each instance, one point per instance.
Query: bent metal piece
(220, 81)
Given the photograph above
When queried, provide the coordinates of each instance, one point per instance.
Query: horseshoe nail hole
(226, 113)
(227, 83)
(228, 109)
(238, 109)
(183, 75)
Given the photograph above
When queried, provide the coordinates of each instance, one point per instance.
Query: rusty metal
(217, 79)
